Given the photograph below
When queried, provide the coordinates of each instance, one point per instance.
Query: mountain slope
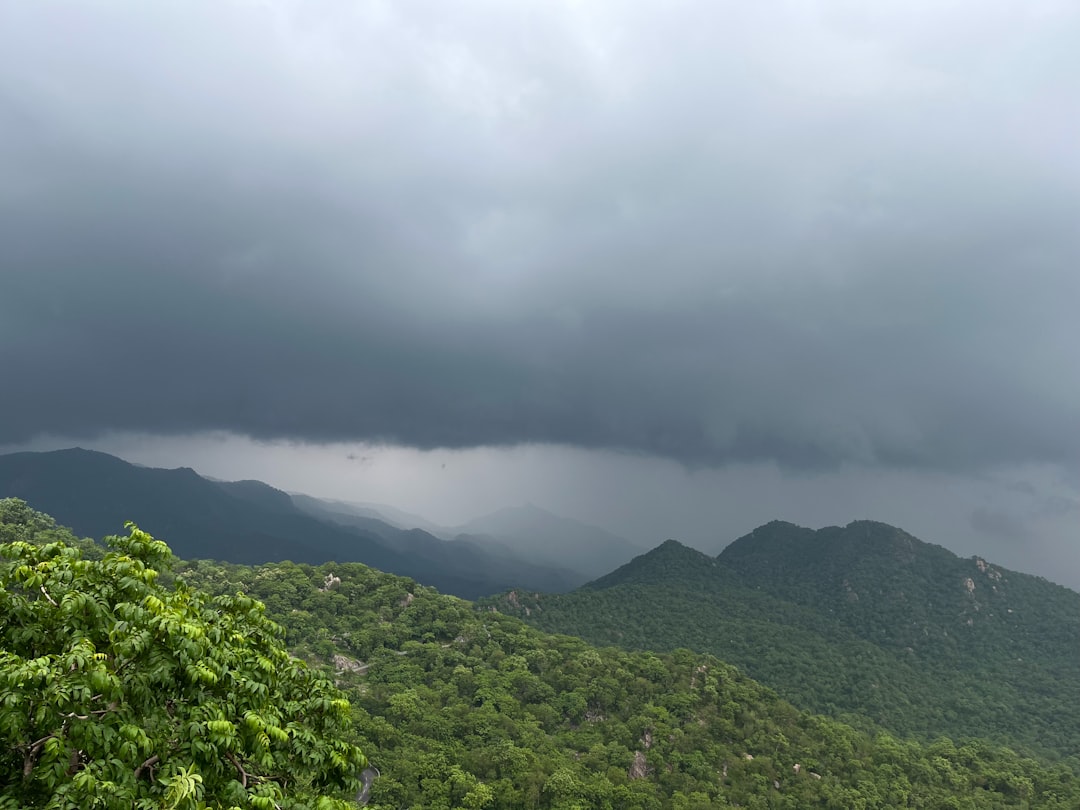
(459, 707)
(391, 515)
(908, 595)
(862, 621)
(496, 563)
(244, 521)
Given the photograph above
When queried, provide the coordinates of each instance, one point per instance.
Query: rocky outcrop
(342, 663)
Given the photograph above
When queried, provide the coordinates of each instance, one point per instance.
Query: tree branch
(32, 754)
(148, 763)
(239, 768)
(112, 707)
(73, 762)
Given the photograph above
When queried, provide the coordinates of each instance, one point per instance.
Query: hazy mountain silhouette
(399, 518)
(544, 538)
(248, 522)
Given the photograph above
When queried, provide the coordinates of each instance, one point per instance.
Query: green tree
(117, 692)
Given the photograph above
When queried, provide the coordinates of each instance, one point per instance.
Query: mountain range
(863, 622)
(453, 705)
(526, 532)
(547, 539)
(251, 522)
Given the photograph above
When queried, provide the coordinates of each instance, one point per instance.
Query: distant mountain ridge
(544, 538)
(398, 518)
(863, 621)
(574, 551)
(458, 552)
(249, 522)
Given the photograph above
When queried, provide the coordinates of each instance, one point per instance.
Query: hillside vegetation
(864, 622)
(118, 692)
(460, 707)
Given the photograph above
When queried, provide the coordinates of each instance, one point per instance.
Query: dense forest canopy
(863, 622)
(117, 691)
(464, 707)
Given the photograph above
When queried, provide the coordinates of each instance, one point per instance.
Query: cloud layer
(840, 233)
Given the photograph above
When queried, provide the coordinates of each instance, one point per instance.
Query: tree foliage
(465, 707)
(864, 623)
(470, 708)
(119, 692)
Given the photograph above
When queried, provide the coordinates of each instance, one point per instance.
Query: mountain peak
(671, 560)
(73, 454)
(842, 566)
(527, 511)
(671, 543)
(777, 541)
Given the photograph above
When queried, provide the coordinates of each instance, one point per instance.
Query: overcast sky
(675, 267)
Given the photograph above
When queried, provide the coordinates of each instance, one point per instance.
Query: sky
(673, 268)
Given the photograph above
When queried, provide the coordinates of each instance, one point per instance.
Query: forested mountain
(463, 707)
(250, 522)
(863, 622)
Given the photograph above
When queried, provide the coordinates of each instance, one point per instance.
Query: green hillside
(864, 622)
(464, 707)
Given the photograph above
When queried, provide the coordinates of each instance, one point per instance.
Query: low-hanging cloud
(698, 231)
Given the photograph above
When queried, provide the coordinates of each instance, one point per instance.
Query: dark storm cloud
(705, 233)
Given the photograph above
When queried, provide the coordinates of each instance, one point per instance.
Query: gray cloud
(998, 523)
(695, 231)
